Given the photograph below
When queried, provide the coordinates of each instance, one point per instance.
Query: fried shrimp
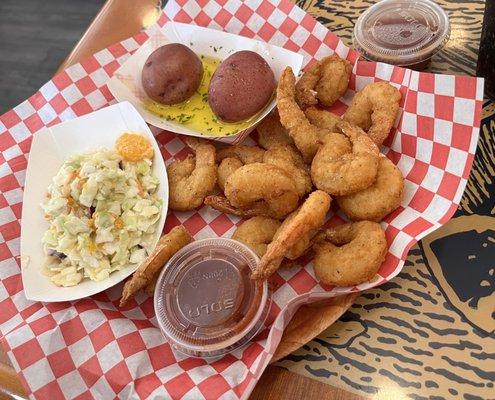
(350, 254)
(305, 93)
(149, 270)
(374, 109)
(289, 159)
(263, 187)
(322, 119)
(301, 225)
(192, 179)
(246, 154)
(271, 132)
(226, 168)
(329, 78)
(345, 165)
(303, 243)
(222, 204)
(256, 233)
(307, 137)
(233, 157)
(378, 200)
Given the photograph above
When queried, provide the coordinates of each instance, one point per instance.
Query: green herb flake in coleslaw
(103, 213)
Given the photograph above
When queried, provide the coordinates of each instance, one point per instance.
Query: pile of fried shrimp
(306, 158)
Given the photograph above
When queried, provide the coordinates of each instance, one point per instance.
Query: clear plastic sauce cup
(205, 301)
(402, 32)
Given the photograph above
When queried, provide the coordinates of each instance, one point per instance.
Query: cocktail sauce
(402, 32)
(205, 302)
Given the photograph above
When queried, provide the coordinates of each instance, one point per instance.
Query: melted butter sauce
(195, 113)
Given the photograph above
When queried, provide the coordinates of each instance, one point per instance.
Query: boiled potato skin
(241, 86)
(171, 74)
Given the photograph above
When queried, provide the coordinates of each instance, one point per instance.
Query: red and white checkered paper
(91, 348)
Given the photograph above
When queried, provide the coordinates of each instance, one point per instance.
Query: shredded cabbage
(103, 212)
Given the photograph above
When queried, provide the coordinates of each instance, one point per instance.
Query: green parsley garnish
(184, 118)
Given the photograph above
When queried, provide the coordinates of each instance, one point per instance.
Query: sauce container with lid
(402, 32)
(206, 304)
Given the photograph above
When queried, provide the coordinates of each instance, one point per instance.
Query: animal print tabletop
(430, 332)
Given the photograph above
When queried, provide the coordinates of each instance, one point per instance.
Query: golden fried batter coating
(303, 243)
(378, 200)
(307, 137)
(263, 183)
(290, 160)
(307, 220)
(246, 154)
(326, 81)
(345, 165)
(322, 119)
(147, 272)
(271, 132)
(256, 233)
(350, 254)
(233, 157)
(192, 179)
(226, 168)
(374, 109)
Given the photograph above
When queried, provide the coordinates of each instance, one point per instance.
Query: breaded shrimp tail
(307, 137)
(309, 218)
(167, 246)
(326, 81)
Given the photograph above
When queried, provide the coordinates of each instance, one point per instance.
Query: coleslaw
(103, 212)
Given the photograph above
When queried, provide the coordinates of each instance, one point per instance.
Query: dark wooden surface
(277, 383)
(35, 37)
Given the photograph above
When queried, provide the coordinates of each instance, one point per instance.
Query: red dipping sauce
(205, 301)
(402, 32)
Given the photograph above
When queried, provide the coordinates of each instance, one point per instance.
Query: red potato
(171, 74)
(241, 86)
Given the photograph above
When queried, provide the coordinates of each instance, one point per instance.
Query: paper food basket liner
(126, 84)
(91, 348)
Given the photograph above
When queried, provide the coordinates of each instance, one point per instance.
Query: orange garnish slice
(134, 147)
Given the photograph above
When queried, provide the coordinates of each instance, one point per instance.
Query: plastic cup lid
(205, 301)
(401, 32)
